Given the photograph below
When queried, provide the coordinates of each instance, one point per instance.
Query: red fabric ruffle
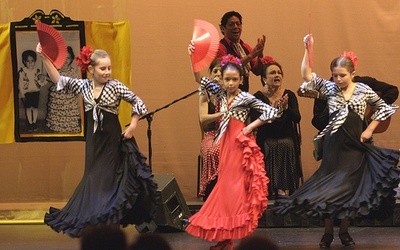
(214, 225)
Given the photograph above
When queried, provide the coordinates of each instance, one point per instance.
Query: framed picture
(41, 112)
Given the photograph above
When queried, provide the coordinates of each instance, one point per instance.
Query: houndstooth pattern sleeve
(67, 84)
(111, 96)
(240, 110)
(246, 101)
(362, 96)
(383, 110)
(211, 87)
(115, 91)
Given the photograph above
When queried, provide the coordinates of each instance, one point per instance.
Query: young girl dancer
(117, 185)
(240, 196)
(354, 175)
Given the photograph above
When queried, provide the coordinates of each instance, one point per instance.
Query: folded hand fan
(53, 44)
(309, 48)
(206, 42)
(310, 54)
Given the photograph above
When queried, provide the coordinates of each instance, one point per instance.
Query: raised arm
(50, 68)
(306, 71)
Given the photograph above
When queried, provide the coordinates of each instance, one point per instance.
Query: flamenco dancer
(117, 186)
(354, 176)
(239, 198)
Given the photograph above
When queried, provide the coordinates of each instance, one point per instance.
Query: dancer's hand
(366, 135)
(128, 133)
(308, 41)
(191, 48)
(39, 49)
(247, 130)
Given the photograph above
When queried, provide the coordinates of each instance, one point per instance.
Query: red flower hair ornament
(267, 60)
(230, 59)
(351, 56)
(83, 59)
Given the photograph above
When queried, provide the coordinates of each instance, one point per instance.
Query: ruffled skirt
(352, 180)
(116, 188)
(240, 196)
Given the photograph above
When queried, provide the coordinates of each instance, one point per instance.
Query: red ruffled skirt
(239, 198)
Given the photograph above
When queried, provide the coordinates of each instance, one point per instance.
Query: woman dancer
(117, 186)
(354, 175)
(240, 196)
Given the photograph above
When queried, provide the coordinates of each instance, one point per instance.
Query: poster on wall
(41, 112)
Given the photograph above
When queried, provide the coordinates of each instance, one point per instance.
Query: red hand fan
(206, 42)
(309, 48)
(53, 44)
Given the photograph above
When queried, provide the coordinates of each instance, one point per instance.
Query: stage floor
(39, 236)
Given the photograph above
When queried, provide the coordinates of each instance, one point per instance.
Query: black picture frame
(42, 113)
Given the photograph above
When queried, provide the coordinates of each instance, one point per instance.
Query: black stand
(149, 118)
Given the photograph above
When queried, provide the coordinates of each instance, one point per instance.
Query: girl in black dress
(354, 175)
(117, 186)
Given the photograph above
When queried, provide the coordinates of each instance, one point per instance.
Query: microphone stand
(149, 117)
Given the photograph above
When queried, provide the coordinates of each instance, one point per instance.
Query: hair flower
(83, 59)
(351, 56)
(267, 60)
(230, 59)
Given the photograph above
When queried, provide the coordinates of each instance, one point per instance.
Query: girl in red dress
(240, 196)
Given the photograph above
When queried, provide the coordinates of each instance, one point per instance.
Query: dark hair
(234, 66)
(103, 237)
(26, 54)
(71, 53)
(150, 241)
(343, 62)
(214, 63)
(264, 70)
(227, 15)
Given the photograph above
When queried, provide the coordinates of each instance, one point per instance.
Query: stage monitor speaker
(172, 212)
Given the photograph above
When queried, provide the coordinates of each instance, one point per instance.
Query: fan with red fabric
(206, 42)
(309, 48)
(53, 44)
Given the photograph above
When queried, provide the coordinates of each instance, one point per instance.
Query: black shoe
(346, 239)
(326, 241)
(34, 126)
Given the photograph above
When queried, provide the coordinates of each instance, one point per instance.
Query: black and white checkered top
(109, 100)
(362, 96)
(240, 107)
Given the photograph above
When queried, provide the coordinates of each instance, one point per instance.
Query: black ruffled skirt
(117, 186)
(353, 179)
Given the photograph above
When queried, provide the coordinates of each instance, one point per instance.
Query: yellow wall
(160, 31)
